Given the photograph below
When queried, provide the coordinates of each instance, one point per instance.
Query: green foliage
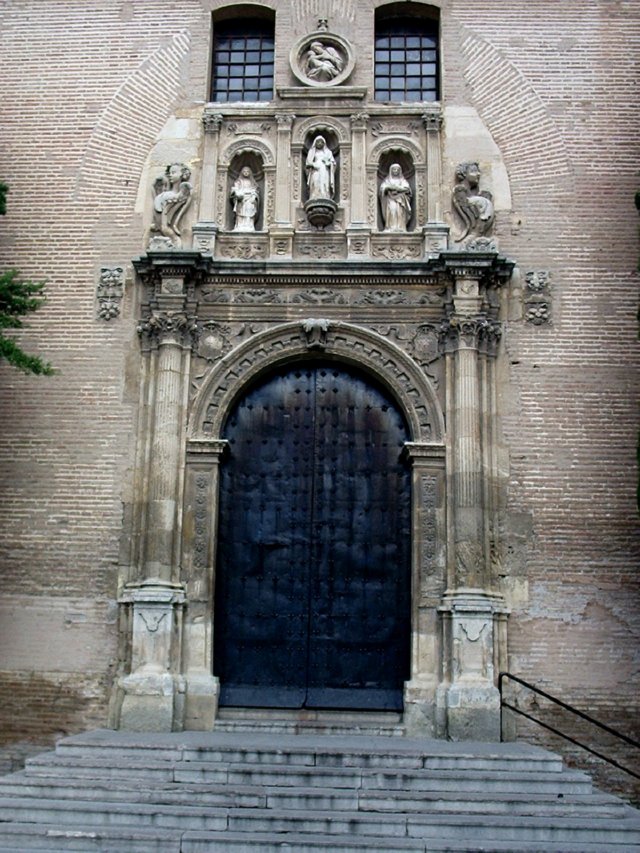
(18, 298)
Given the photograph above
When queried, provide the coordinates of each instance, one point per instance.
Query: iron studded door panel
(312, 586)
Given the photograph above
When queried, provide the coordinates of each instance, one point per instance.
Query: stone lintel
(471, 600)
(309, 93)
(153, 591)
(424, 453)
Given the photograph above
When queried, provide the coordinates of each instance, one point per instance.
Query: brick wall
(87, 90)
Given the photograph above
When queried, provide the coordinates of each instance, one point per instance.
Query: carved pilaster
(358, 188)
(212, 123)
(284, 123)
(109, 292)
(433, 125)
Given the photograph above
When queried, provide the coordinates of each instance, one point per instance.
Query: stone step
(24, 838)
(19, 785)
(53, 765)
(314, 751)
(468, 827)
(259, 720)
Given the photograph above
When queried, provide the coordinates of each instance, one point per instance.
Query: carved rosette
(109, 292)
(168, 327)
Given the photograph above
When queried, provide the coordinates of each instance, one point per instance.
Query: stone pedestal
(468, 696)
(154, 691)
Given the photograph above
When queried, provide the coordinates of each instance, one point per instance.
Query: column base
(152, 702)
(420, 708)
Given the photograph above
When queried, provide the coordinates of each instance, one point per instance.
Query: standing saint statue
(395, 199)
(245, 197)
(321, 170)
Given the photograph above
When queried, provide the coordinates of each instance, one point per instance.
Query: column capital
(212, 122)
(359, 121)
(168, 327)
(284, 121)
(478, 333)
(433, 121)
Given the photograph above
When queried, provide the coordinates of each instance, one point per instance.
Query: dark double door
(313, 566)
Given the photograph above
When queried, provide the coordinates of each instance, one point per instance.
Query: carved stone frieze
(382, 297)
(242, 249)
(201, 517)
(396, 251)
(249, 128)
(259, 296)
(320, 296)
(428, 485)
(110, 291)
(392, 127)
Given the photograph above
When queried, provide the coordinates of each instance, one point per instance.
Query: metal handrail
(576, 711)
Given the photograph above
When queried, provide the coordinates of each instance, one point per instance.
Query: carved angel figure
(473, 206)
(395, 199)
(323, 62)
(245, 197)
(321, 169)
(172, 196)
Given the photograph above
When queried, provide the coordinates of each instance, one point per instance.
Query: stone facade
(498, 311)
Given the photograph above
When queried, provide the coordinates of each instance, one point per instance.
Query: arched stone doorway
(313, 567)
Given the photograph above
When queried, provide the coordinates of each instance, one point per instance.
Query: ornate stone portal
(351, 232)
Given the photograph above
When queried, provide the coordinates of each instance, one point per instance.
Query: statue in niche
(245, 197)
(473, 206)
(323, 62)
(395, 199)
(172, 196)
(321, 170)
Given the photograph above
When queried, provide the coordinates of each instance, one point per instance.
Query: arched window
(406, 53)
(242, 67)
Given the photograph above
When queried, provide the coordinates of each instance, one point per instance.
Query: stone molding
(352, 344)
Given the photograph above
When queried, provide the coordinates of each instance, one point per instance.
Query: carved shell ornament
(322, 58)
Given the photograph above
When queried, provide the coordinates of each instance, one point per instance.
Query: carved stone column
(281, 232)
(468, 698)
(153, 693)
(436, 231)
(206, 229)
(173, 332)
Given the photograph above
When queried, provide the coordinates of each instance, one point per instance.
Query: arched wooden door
(312, 591)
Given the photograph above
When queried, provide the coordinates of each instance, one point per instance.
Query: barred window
(406, 59)
(243, 53)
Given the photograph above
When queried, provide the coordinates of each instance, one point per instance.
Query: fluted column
(470, 609)
(172, 331)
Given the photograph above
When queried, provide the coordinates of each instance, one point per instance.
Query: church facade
(342, 302)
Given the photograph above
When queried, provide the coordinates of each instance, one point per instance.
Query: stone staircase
(263, 791)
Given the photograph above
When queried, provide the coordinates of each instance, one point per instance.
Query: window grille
(406, 60)
(243, 53)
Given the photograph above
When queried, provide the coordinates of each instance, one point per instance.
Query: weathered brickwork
(89, 89)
